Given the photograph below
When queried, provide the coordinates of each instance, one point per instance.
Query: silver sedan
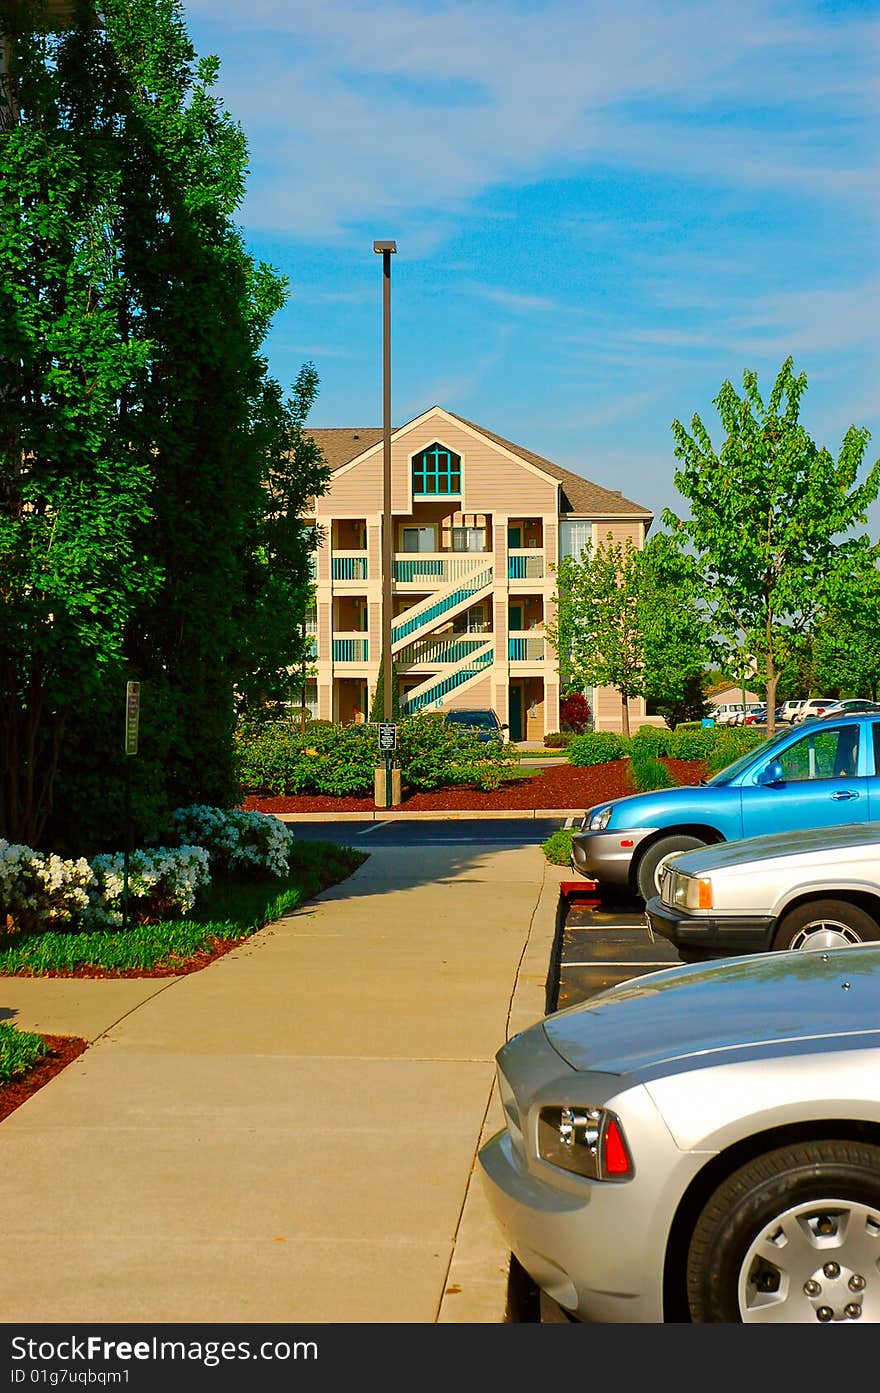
(701, 1144)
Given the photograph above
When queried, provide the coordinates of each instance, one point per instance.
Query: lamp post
(386, 249)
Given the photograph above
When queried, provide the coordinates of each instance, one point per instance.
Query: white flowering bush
(236, 840)
(163, 882)
(39, 891)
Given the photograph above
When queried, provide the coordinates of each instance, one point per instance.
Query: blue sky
(602, 211)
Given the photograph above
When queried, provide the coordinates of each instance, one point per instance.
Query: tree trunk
(770, 695)
(624, 704)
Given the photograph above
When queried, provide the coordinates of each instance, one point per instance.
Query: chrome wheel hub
(826, 933)
(817, 1262)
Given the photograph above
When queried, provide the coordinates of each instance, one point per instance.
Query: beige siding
(491, 482)
(476, 694)
(620, 532)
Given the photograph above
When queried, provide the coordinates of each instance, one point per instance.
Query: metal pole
(387, 249)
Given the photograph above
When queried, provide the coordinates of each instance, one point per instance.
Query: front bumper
(718, 935)
(606, 856)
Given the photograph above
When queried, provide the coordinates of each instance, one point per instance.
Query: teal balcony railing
(350, 565)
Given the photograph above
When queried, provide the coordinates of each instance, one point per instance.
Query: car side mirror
(771, 775)
(505, 726)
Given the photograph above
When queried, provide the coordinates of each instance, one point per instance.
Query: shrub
(37, 890)
(558, 739)
(162, 883)
(575, 713)
(324, 759)
(731, 743)
(557, 847)
(692, 742)
(434, 753)
(597, 747)
(235, 840)
(652, 741)
(647, 773)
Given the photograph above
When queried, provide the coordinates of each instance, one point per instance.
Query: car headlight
(681, 891)
(597, 819)
(586, 1141)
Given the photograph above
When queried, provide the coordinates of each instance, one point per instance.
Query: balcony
(349, 565)
(525, 647)
(525, 565)
(430, 569)
(351, 648)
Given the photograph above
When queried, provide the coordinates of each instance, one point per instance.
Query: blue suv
(820, 774)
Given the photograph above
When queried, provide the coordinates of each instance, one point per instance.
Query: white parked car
(851, 706)
(814, 888)
(814, 706)
(786, 713)
(726, 714)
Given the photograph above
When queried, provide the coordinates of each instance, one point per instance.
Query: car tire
(789, 1238)
(822, 924)
(647, 883)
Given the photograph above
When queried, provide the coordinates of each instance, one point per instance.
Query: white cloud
(405, 108)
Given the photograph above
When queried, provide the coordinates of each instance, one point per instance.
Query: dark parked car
(482, 721)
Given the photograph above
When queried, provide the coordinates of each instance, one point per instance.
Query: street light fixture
(386, 250)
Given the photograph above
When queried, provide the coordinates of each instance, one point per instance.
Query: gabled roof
(579, 495)
(341, 445)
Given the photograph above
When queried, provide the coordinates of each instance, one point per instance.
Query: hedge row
(717, 746)
(341, 759)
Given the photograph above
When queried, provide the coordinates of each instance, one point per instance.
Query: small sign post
(388, 744)
(132, 716)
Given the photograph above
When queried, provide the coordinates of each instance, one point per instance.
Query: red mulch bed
(565, 787)
(63, 1049)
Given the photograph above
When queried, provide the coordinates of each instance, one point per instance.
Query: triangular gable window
(436, 471)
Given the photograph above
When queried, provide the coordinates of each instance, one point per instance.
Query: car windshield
(724, 776)
(485, 720)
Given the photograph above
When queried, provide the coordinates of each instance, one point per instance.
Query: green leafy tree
(846, 647)
(598, 632)
(149, 465)
(771, 519)
(628, 618)
(675, 632)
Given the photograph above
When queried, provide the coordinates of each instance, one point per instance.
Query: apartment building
(479, 523)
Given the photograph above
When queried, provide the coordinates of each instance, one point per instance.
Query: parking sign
(387, 735)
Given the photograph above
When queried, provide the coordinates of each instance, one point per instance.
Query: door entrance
(515, 709)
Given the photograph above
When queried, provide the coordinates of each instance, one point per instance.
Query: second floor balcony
(525, 564)
(349, 565)
(525, 646)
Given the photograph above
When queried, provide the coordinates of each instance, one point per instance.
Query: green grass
(19, 1051)
(232, 907)
(557, 847)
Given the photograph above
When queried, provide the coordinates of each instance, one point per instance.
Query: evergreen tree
(150, 469)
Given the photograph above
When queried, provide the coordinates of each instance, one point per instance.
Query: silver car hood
(768, 1002)
(806, 841)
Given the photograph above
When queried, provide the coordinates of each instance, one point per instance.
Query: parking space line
(373, 828)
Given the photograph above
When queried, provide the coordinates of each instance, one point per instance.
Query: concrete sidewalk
(290, 1134)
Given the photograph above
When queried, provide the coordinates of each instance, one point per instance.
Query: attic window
(436, 470)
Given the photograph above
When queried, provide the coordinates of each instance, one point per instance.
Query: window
(574, 538)
(825, 754)
(468, 539)
(436, 471)
(419, 539)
